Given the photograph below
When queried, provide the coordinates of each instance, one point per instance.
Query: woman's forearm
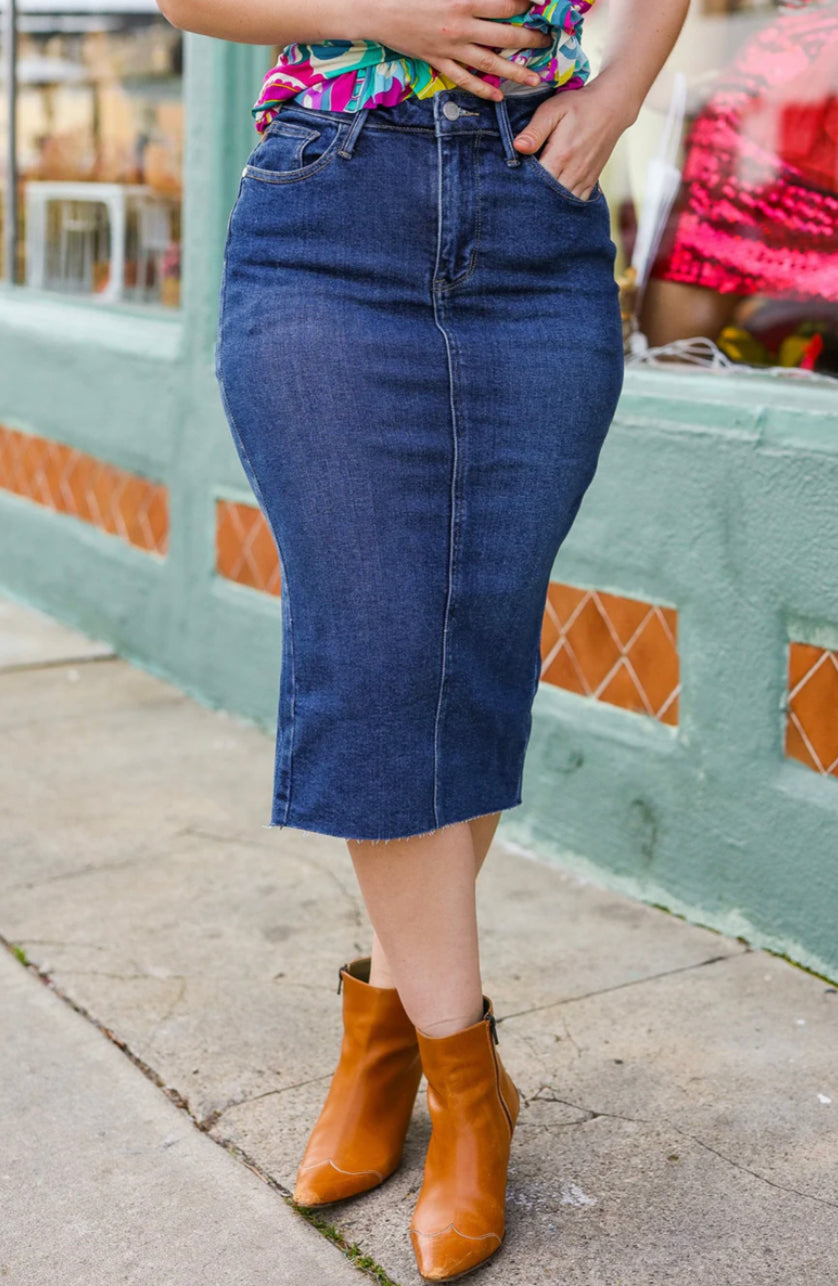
(270, 22)
(640, 39)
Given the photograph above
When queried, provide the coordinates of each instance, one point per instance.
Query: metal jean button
(450, 111)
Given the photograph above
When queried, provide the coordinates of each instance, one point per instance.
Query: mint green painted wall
(728, 512)
(717, 495)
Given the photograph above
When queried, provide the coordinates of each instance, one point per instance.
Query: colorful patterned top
(340, 75)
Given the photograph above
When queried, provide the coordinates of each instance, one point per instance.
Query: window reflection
(100, 139)
(744, 245)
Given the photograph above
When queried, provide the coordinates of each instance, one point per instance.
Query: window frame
(9, 36)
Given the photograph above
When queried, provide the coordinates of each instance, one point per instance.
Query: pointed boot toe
(445, 1256)
(359, 1136)
(324, 1183)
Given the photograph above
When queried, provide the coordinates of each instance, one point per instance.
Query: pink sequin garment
(744, 221)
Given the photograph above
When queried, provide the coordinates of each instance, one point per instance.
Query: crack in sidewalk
(212, 1118)
(90, 869)
(772, 1183)
(352, 900)
(621, 986)
(593, 1114)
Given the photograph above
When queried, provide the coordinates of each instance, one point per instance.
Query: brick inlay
(812, 707)
(619, 650)
(244, 547)
(68, 481)
(615, 649)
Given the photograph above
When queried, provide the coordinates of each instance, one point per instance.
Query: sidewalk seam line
(32, 667)
(621, 986)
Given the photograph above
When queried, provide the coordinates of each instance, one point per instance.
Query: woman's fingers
(485, 60)
(539, 127)
(499, 35)
(502, 8)
(491, 36)
(465, 80)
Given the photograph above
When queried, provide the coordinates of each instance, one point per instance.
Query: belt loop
(512, 157)
(357, 125)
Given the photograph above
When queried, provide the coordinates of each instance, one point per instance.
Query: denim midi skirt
(420, 354)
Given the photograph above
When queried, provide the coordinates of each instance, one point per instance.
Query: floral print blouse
(340, 75)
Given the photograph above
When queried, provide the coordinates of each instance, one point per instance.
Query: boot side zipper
(493, 1028)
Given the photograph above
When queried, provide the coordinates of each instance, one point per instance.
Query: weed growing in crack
(353, 1253)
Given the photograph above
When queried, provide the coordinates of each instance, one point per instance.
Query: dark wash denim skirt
(420, 354)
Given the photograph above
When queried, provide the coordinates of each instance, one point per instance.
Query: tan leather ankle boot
(359, 1136)
(459, 1218)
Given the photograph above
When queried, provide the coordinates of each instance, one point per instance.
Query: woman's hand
(581, 128)
(453, 35)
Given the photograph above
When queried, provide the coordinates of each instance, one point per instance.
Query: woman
(420, 354)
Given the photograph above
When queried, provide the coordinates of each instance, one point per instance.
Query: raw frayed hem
(392, 839)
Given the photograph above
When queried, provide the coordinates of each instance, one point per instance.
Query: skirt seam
(452, 523)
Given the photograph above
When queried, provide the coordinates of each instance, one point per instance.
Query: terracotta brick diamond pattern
(812, 707)
(619, 650)
(244, 547)
(69, 481)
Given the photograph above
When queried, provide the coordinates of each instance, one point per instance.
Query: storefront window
(99, 151)
(725, 191)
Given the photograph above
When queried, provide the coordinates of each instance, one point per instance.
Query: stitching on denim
(347, 119)
(424, 129)
(352, 134)
(435, 298)
(259, 175)
(447, 287)
(291, 129)
(554, 185)
(539, 662)
(513, 158)
(293, 658)
(478, 203)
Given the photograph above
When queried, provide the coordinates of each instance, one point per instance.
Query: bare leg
(420, 896)
(673, 310)
(482, 833)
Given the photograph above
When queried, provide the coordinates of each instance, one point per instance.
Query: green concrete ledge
(153, 334)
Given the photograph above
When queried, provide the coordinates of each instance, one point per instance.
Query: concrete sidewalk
(680, 1109)
(105, 1180)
